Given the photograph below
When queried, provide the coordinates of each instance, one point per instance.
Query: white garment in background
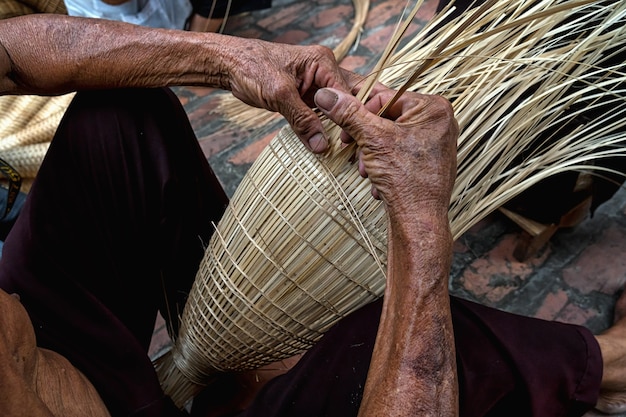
(169, 14)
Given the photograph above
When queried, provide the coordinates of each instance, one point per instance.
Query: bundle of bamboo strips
(302, 243)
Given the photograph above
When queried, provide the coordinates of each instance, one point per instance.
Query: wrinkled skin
(58, 54)
(411, 163)
(307, 68)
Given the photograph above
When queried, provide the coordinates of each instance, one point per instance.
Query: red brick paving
(601, 266)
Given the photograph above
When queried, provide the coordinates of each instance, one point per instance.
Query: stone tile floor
(575, 278)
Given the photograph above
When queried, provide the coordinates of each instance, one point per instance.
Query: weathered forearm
(410, 160)
(67, 53)
(48, 54)
(413, 367)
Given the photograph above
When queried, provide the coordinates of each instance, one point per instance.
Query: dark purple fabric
(508, 365)
(117, 217)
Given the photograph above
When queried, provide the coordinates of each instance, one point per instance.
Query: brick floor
(575, 278)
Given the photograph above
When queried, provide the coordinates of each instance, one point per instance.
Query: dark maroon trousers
(113, 231)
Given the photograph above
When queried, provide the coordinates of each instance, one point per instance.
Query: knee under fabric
(508, 365)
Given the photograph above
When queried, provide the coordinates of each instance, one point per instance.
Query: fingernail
(325, 99)
(318, 143)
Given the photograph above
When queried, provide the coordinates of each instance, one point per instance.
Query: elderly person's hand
(57, 54)
(411, 162)
(284, 78)
(35, 381)
(410, 157)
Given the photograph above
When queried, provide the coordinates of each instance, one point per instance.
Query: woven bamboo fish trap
(303, 244)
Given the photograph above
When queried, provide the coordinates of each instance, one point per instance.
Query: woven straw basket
(282, 268)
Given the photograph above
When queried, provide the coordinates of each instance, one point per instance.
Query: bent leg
(112, 230)
(518, 366)
(508, 365)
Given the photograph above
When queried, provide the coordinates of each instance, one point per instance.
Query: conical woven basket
(303, 243)
(289, 227)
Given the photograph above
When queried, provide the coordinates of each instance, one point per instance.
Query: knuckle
(349, 110)
(442, 107)
(323, 51)
(443, 112)
(282, 93)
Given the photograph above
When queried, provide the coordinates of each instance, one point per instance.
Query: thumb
(345, 110)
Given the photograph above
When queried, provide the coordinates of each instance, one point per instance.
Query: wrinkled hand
(284, 78)
(411, 162)
(410, 158)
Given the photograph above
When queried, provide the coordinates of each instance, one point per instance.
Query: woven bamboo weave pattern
(258, 294)
(283, 298)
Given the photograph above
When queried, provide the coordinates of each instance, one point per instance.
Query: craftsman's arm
(51, 54)
(411, 163)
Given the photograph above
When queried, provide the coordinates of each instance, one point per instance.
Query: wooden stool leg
(536, 235)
